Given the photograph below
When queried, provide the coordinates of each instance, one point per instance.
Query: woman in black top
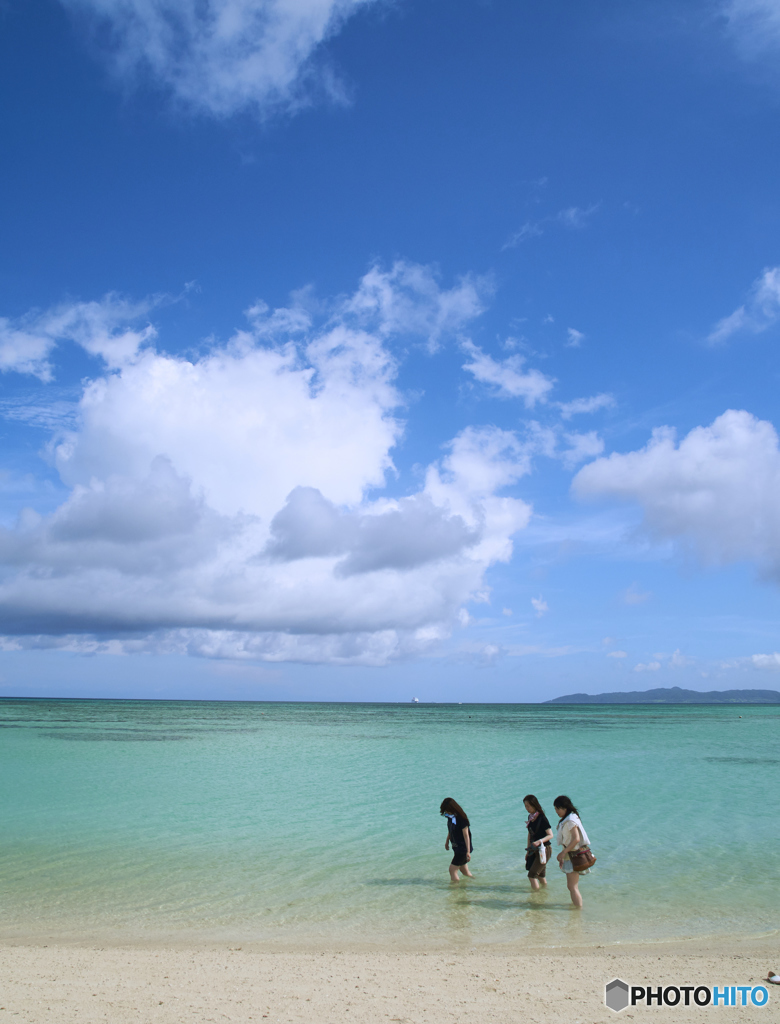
(459, 834)
(539, 835)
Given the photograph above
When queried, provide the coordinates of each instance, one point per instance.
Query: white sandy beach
(170, 985)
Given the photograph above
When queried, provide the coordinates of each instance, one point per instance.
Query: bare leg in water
(573, 882)
(455, 868)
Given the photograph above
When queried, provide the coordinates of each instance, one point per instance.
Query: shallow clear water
(314, 824)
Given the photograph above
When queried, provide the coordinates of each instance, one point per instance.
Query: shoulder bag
(582, 859)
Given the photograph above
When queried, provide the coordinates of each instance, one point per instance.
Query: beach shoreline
(695, 945)
(189, 983)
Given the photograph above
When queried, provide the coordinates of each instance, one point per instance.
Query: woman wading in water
(459, 834)
(539, 839)
(571, 836)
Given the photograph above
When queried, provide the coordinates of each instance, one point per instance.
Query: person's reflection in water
(459, 916)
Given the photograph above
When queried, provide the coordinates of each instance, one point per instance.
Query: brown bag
(582, 859)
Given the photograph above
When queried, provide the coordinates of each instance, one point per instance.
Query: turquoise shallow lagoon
(307, 825)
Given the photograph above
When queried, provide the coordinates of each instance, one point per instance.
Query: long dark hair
(449, 806)
(531, 799)
(565, 802)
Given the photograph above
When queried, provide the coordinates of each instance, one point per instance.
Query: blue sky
(356, 349)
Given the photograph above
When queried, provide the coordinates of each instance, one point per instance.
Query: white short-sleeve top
(564, 830)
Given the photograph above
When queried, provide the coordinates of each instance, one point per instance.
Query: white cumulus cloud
(579, 406)
(25, 350)
(717, 492)
(766, 661)
(507, 376)
(581, 447)
(220, 506)
(575, 338)
(103, 328)
(222, 56)
(408, 299)
(540, 606)
(568, 446)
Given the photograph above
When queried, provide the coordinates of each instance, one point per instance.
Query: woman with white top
(571, 835)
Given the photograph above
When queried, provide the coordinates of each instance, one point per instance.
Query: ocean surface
(317, 825)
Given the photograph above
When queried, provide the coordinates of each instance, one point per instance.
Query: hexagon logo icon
(616, 995)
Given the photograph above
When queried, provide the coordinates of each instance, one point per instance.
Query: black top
(537, 829)
(455, 826)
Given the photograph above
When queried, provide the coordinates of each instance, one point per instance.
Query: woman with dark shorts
(539, 837)
(459, 834)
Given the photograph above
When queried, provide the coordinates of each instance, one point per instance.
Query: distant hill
(672, 695)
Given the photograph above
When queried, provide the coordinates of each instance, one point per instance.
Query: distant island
(672, 695)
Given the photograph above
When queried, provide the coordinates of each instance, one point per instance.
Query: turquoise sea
(308, 825)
